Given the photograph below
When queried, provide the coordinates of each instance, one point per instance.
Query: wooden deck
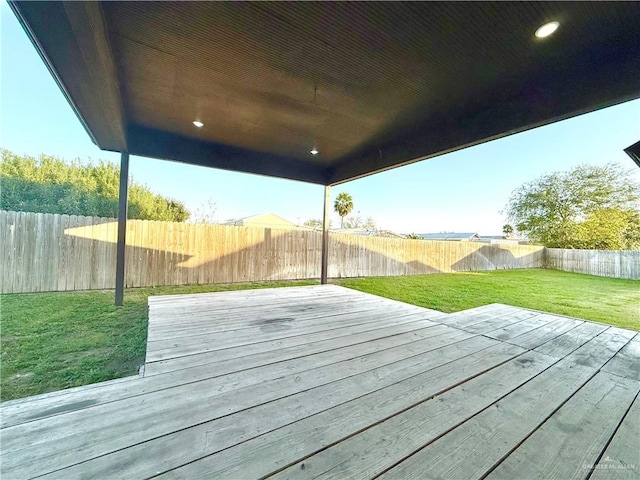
(327, 382)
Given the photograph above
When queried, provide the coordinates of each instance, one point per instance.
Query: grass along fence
(45, 252)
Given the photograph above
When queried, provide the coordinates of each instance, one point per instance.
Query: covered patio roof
(370, 86)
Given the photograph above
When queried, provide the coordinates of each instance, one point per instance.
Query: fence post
(325, 237)
(122, 227)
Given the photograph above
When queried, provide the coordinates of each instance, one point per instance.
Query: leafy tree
(608, 229)
(50, 185)
(507, 230)
(586, 207)
(343, 206)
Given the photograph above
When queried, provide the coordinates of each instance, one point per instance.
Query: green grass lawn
(607, 300)
(52, 341)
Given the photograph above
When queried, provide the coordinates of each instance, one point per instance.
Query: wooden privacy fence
(604, 263)
(44, 252)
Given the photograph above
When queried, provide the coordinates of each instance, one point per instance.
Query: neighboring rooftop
(363, 232)
(264, 220)
(449, 236)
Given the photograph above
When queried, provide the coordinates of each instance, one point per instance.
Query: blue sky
(461, 191)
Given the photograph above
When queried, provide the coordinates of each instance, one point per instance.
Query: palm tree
(343, 206)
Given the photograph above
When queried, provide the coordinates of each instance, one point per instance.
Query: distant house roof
(264, 220)
(389, 234)
(363, 232)
(449, 236)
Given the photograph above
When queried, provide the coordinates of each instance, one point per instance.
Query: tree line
(587, 207)
(49, 185)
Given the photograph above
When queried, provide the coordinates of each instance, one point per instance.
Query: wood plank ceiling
(370, 85)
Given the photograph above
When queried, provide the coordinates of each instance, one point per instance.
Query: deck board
(322, 381)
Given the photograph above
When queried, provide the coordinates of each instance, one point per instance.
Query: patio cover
(371, 86)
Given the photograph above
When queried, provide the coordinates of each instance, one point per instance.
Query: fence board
(7, 250)
(87, 252)
(49, 253)
(75, 251)
(110, 260)
(192, 273)
(29, 252)
(97, 254)
(182, 255)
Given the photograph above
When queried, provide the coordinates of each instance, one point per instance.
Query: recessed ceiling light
(198, 123)
(547, 29)
(314, 151)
